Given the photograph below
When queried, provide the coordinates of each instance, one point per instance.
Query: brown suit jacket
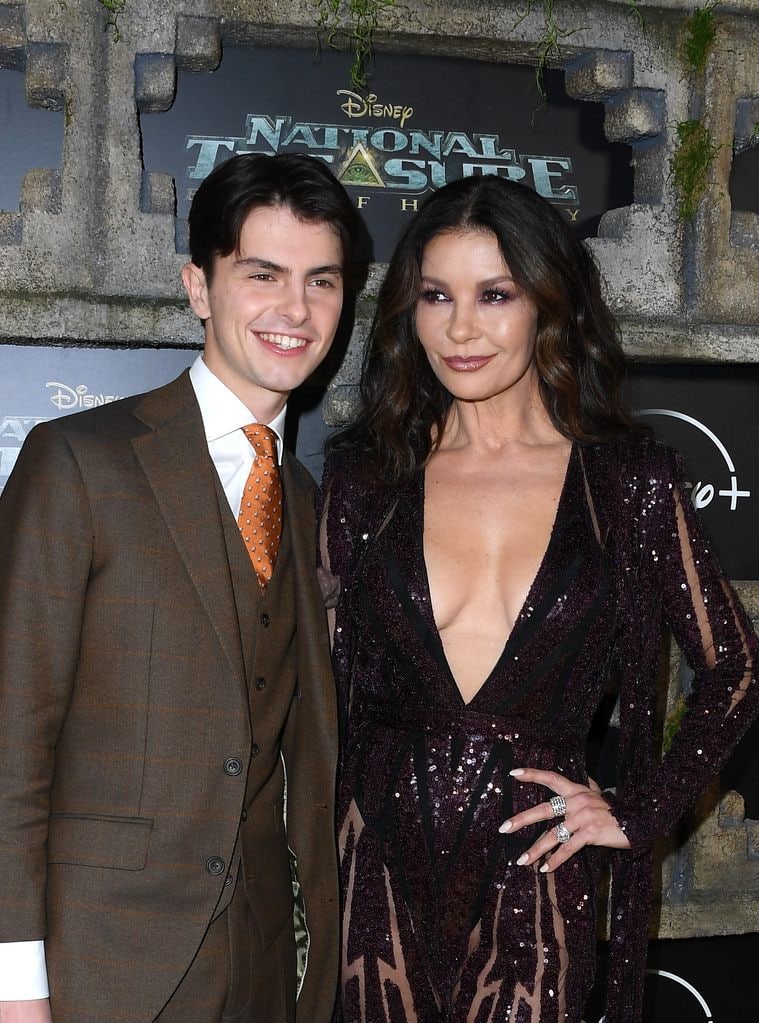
(123, 694)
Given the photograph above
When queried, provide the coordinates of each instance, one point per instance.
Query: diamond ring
(563, 834)
(558, 805)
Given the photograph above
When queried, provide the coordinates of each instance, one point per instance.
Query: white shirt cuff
(23, 971)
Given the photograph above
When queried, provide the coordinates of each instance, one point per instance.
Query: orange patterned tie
(260, 518)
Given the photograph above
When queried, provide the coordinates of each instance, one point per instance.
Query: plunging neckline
(528, 600)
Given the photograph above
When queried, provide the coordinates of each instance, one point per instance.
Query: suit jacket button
(255, 750)
(261, 683)
(265, 620)
(233, 766)
(215, 865)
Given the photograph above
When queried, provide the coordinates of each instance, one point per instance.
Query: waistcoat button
(244, 815)
(261, 683)
(254, 750)
(215, 865)
(233, 766)
(265, 620)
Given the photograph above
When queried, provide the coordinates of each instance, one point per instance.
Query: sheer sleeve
(689, 591)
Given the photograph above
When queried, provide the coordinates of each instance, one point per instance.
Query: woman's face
(475, 324)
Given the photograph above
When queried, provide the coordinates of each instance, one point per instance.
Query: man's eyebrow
(255, 262)
(330, 268)
(261, 264)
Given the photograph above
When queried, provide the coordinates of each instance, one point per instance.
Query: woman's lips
(467, 363)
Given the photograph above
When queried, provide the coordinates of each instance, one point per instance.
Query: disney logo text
(66, 398)
(360, 106)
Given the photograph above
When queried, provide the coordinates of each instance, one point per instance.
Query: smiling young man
(167, 744)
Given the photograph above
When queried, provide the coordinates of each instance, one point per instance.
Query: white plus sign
(734, 493)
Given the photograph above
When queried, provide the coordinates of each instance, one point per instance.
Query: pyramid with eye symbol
(360, 169)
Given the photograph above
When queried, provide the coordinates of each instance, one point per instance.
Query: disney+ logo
(704, 492)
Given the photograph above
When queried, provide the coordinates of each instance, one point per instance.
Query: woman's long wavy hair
(578, 355)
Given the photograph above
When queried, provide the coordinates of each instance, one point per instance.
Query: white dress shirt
(224, 416)
(23, 972)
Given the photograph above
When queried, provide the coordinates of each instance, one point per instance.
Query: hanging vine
(114, 9)
(356, 20)
(553, 34)
(548, 46)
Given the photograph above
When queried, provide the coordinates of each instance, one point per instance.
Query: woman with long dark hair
(506, 536)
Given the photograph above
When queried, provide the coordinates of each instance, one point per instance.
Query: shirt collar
(222, 411)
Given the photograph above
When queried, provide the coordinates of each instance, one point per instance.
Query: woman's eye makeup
(496, 295)
(433, 295)
(489, 296)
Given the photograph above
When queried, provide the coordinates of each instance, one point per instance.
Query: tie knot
(263, 439)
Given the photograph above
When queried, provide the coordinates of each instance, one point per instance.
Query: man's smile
(283, 340)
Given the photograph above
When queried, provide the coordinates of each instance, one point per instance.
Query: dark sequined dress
(439, 923)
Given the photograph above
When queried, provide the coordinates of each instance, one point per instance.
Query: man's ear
(196, 286)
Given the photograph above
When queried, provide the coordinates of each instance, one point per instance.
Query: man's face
(272, 308)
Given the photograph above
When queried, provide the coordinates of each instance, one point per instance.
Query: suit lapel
(174, 457)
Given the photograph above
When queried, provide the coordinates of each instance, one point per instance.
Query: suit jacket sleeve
(45, 559)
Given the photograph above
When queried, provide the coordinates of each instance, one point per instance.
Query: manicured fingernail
(516, 772)
(522, 860)
(506, 826)
(544, 869)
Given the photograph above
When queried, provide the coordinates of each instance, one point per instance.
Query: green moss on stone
(700, 33)
(672, 724)
(690, 165)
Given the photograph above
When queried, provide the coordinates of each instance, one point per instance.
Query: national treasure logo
(376, 151)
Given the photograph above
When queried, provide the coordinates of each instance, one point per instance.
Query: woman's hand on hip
(579, 815)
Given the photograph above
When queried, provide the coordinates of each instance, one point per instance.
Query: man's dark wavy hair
(301, 184)
(578, 354)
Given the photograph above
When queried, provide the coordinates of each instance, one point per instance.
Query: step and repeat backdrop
(426, 121)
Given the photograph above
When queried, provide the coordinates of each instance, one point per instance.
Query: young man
(167, 720)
